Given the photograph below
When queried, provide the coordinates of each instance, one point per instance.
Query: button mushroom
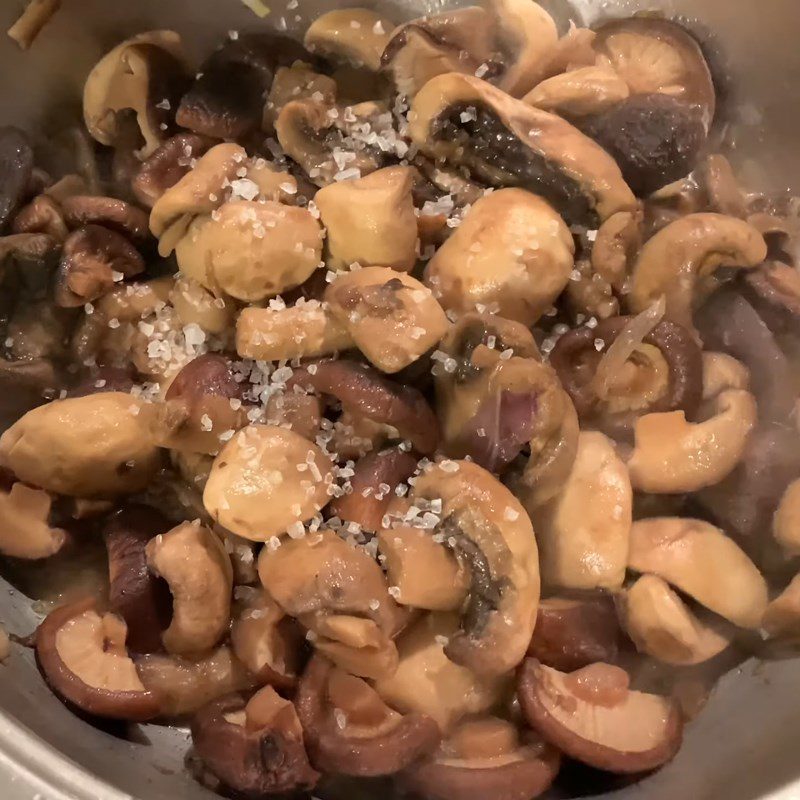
(137, 75)
(512, 252)
(505, 142)
(83, 658)
(679, 262)
(354, 35)
(92, 446)
(351, 731)
(490, 533)
(582, 91)
(392, 318)
(370, 220)
(672, 455)
(25, 530)
(662, 626)
(253, 748)
(265, 481)
(485, 759)
(251, 250)
(583, 532)
(592, 716)
(193, 562)
(701, 561)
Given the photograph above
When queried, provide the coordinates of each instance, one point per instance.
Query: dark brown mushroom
(594, 717)
(664, 372)
(227, 98)
(365, 392)
(16, 166)
(142, 599)
(572, 633)
(41, 215)
(773, 289)
(83, 658)
(89, 260)
(23, 386)
(167, 165)
(486, 759)
(103, 379)
(373, 484)
(119, 216)
(255, 748)
(351, 731)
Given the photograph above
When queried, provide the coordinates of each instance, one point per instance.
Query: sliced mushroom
(354, 644)
(92, 446)
(616, 246)
(192, 560)
(298, 82)
(721, 372)
(136, 76)
(724, 192)
(505, 142)
(592, 716)
(370, 221)
(351, 731)
(253, 748)
(786, 521)
(701, 561)
(485, 759)
(195, 305)
(265, 481)
(135, 593)
(672, 455)
(32, 21)
(226, 100)
(25, 530)
(393, 318)
(355, 35)
(83, 658)
(251, 250)
(572, 633)
(41, 215)
(512, 253)
(774, 291)
(490, 533)
(16, 166)
(428, 682)
(781, 620)
(579, 92)
(662, 626)
(118, 215)
(679, 262)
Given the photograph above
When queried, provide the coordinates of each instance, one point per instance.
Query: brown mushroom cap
(119, 216)
(25, 531)
(509, 143)
(593, 717)
(83, 659)
(138, 596)
(16, 166)
(254, 748)
(41, 215)
(351, 731)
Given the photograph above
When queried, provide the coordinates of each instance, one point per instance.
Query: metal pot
(742, 747)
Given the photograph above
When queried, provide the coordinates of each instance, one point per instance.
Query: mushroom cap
(583, 532)
(582, 91)
(193, 562)
(786, 520)
(83, 659)
(355, 35)
(393, 318)
(672, 455)
(255, 488)
(25, 531)
(92, 446)
(592, 716)
(512, 251)
(700, 560)
(532, 149)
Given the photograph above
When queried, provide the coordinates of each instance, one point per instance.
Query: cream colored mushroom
(583, 532)
(298, 82)
(267, 481)
(251, 250)
(428, 682)
(392, 318)
(93, 446)
(679, 262)
(579, 92)
(25, 531)
(356, 35)
(672, 455)
(782, 617)
(786, 521)
(662, 626)
(722, 372)
(307, 329)
(137, 76)
(192, 560)
(700, 560)
(371, 220)
(616, 246)
(200, 191)
(197, 306)
(512, 253)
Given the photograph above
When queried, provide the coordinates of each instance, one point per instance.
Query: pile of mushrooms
(427, 386)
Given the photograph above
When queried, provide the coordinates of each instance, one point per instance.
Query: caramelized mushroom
(25, 530)
(41, 215)
(592, 716)
(83, 658)
(109, 212)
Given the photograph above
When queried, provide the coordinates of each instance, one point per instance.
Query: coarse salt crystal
(205, 423)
